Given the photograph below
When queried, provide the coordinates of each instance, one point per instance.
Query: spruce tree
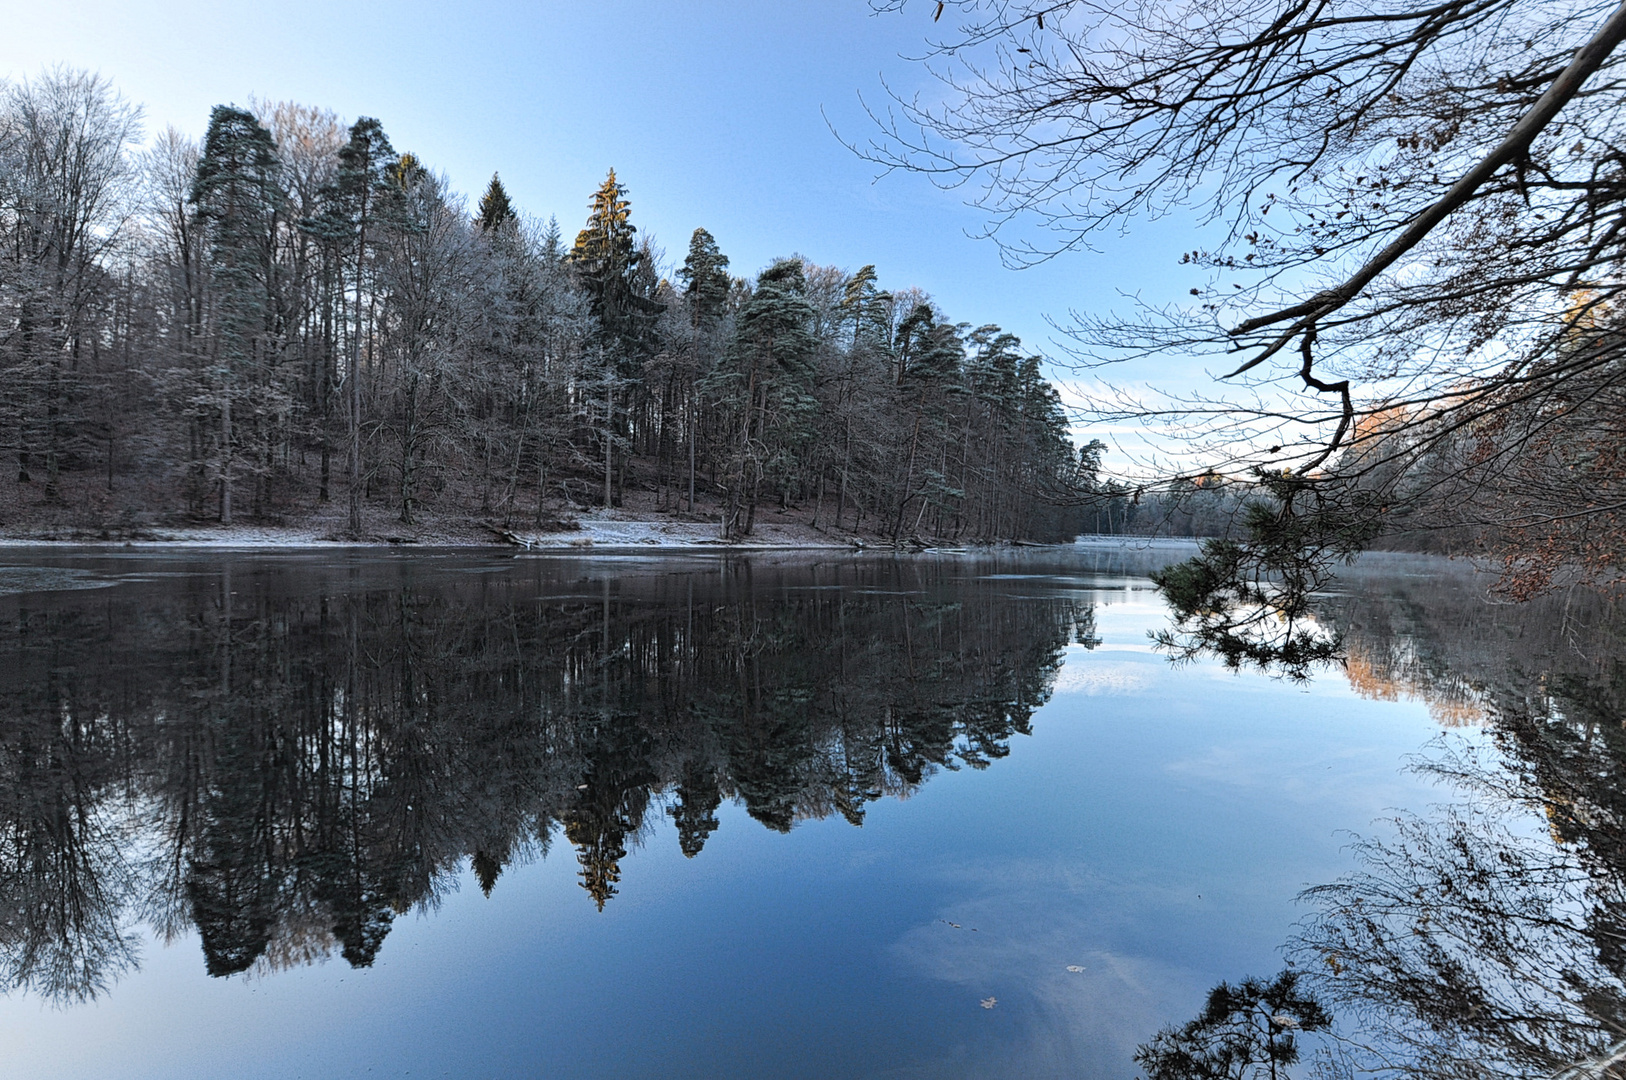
(610, 269)
(705, 273)
(495, 209)
(607, 263)
(235, 195)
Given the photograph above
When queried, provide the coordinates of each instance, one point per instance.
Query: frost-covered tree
(350, 207)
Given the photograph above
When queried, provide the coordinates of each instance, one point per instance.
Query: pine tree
(869, 310)
(930, 353)
(695, 814)
(764, 383)
(705, 272)
(495, 209)
(775, 324)
(848, 389)
(1250, 1031)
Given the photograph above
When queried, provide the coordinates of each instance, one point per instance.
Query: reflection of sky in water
(1153, 831)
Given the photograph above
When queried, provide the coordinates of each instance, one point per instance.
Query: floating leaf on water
(989, 1003)
(1075, 968)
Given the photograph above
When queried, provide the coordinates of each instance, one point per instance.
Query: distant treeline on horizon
(292, 319)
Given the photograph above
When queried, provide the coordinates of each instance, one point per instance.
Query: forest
(291, 321)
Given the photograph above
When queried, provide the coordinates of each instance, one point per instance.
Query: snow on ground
(610, 533)
(598, 534)
(226, 536)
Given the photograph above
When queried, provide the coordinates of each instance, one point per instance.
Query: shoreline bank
(592, 537)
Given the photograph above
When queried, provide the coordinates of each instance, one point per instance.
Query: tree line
(292, 318)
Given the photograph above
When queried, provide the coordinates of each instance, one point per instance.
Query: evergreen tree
(487, 869)
(707, 292)
(236, 198)
(404, 175)
(705, 272)
(930, 353)
(495, 209)
(1245, 1032)
(292, 272)
(764, 384)
(868, 310)
(607, 263)
(696, 811)
(611, 270)
(609, 808)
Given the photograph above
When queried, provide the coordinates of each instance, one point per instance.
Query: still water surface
(453, 814)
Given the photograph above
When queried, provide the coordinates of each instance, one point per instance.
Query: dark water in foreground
(484, 816)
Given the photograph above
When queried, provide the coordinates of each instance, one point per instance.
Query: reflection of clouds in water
(1221, 764)
(1079, 676)
(1246, 764)
(1058, 1021)
(1292, 772)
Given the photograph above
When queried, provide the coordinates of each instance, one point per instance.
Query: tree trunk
(908, 479)
(609, 447)
(409, 436)
(225, 452)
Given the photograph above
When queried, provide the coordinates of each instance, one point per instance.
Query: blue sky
(713, 114)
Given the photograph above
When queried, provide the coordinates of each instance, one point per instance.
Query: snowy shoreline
(598, 535)
(591, 536)
(595, 536)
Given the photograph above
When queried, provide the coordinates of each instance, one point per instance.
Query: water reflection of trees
(1485, 937)
(287, 761)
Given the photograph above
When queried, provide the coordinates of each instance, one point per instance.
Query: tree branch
(1587, 60)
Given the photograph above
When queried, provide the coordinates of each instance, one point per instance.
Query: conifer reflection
(286, 760)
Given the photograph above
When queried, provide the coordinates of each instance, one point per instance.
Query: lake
(481, 814)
